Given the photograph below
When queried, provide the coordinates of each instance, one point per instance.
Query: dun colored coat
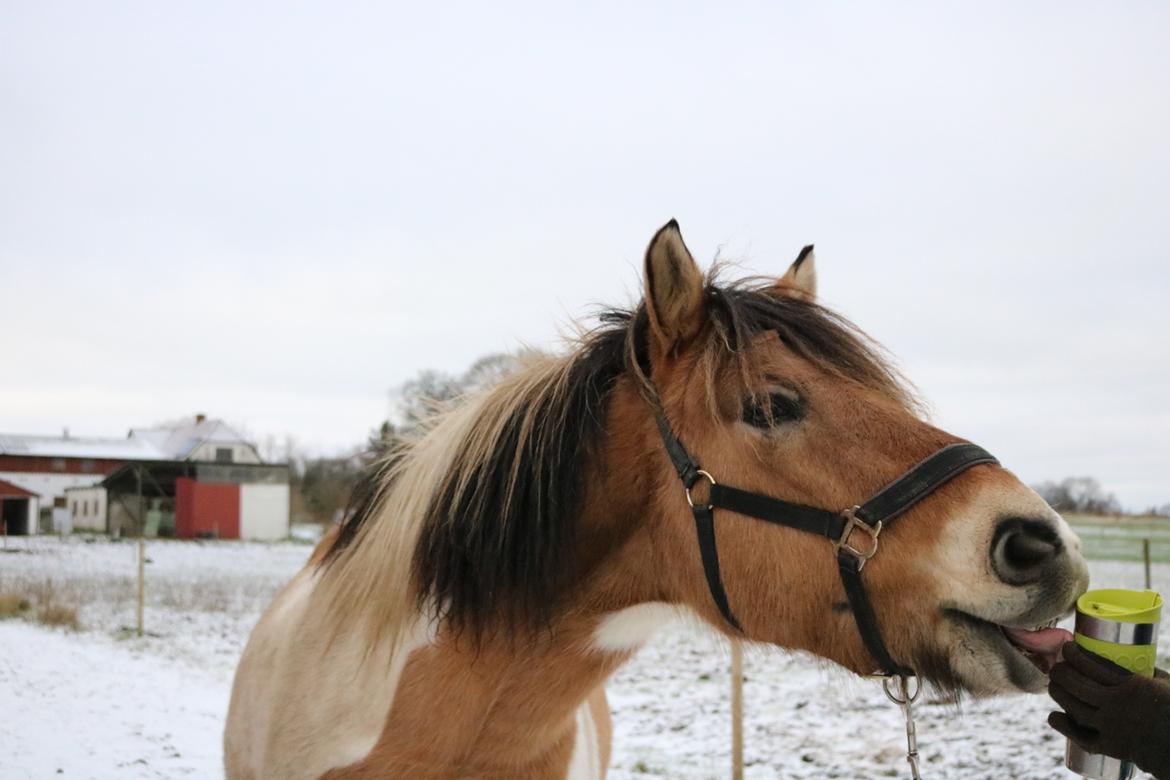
(463, 621)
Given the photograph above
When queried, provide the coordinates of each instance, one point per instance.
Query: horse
(506, 560)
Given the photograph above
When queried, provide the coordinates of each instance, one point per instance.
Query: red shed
(206, 509)
(195, 500)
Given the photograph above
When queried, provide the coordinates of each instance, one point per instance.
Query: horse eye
(784, 408)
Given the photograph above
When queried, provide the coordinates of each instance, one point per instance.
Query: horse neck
(509, 699)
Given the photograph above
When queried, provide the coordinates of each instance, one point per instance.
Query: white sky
(274, 213)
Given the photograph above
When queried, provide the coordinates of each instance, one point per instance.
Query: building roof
(8, 490)
(77, 447)
(173, 441)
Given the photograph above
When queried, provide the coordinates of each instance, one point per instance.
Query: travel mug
(1121, 625)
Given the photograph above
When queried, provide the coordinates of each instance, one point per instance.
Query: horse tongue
(1044, 644)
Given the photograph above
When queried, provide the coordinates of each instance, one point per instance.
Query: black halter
(867, 519)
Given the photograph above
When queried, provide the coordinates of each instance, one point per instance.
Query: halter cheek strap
(854, 532)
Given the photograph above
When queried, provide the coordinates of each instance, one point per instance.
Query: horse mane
(474, 521)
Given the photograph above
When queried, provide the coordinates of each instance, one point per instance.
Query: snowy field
(103, 703)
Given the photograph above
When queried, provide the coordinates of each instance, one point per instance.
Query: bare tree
(1078, 494)
(432, 390)
(325, 485)
(328, 485)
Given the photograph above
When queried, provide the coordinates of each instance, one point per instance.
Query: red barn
(69, 476)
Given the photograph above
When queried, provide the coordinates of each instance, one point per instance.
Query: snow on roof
(174, 441)
(177, 440)
(77, 447)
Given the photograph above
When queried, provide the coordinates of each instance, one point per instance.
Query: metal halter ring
(710, 479)
(905, 696)
(852, 521)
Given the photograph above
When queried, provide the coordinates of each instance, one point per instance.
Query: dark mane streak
(498, 536)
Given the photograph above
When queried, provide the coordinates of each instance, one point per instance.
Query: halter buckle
(852, 521)
(710, 479)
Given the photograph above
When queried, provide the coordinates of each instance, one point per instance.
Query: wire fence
(1142, 540)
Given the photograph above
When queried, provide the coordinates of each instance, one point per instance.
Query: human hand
(1110, 710)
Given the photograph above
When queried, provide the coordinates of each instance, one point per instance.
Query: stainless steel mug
(1121, 625)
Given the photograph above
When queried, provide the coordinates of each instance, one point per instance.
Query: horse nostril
(1022, 549)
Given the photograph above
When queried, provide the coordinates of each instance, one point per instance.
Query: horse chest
(457, 720)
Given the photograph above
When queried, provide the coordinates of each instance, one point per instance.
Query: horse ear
(674, 288)
(800, 280)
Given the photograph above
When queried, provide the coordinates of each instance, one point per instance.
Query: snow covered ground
(104, 703)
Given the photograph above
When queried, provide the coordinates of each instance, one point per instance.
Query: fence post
(141, 548)
(736, 710)
(1146, 558)
(141, 580)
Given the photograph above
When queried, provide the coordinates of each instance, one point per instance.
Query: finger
(1083, 713)
(1094, 666)
(1085, 738)
(1086, 689)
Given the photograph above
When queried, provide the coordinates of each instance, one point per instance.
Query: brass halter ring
(710, 479)
(843, 544)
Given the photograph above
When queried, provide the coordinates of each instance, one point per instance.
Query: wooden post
(141, 552)
(141, 580)
(1146, 558)
(736, 711)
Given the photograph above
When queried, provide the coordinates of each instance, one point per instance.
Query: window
(87, 465)
(58, 464)
(223, 454)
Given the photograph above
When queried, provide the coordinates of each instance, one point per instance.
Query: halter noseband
(865, 521)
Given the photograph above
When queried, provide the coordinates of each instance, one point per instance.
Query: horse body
(442, 710)
(320, 732)
(463, 622)
(438, 704)
(295, 710)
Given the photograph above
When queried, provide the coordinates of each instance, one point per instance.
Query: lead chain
(905, 700)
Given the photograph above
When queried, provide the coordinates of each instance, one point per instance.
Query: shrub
(39, 603)
(59, 615)
(13, 605)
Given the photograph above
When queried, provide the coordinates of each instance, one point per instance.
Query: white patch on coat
(293, 597)
(585, 763)
(333, 727)
(355, 732)
(628, 629)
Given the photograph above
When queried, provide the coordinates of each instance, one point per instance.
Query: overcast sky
(275, 213)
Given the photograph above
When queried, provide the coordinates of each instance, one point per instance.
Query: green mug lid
(1124, 606)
